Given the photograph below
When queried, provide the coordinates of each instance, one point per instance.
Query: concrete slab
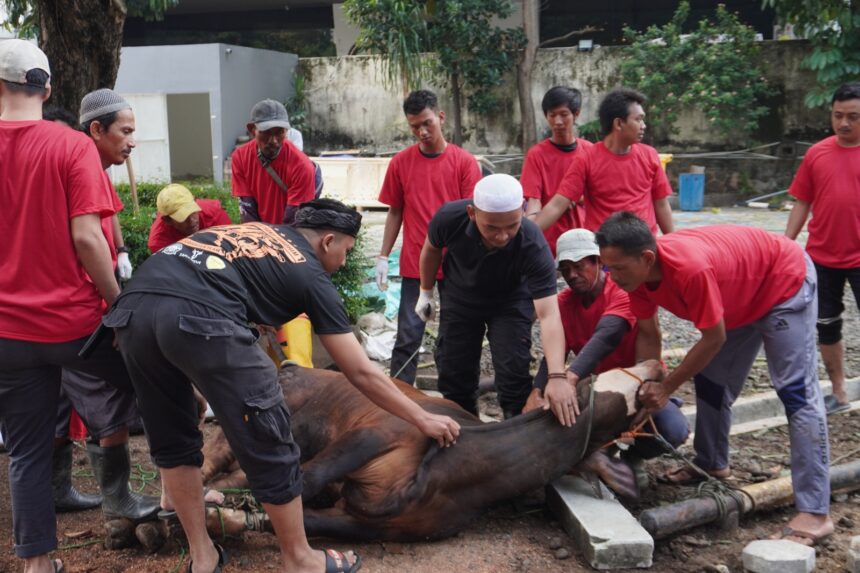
(853, 563)
(778, 556)
(606, 533)
(768, 405)
(775, 422)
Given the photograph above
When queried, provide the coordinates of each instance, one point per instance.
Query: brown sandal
(805, 535)
(685, 475)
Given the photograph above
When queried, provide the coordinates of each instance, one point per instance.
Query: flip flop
(811, 537)
(58, 566)
(336, 562)
(685, 475)
(833, 406)
(223, 558)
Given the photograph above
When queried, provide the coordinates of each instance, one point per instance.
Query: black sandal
(336, 562)
(223, 558)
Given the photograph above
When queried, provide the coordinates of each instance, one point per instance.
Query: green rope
(711, 487)
(145, 477)
(78, 545)
(181, 559)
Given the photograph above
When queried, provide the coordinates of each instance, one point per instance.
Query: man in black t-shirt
(183, 321)
(498, 271)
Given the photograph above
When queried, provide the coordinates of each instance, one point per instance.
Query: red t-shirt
(580, 323)
(211, 215)
(829, 179)
(48, 175)
(419, 185)
(251, 179)
(610, 183)
(722, 271)
(543, 171)
(107, 222)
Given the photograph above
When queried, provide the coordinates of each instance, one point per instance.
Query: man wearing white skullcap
(498, 272)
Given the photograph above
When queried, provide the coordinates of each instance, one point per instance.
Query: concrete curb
(767, 405)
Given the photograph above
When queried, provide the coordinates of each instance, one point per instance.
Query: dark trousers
(458, 352)
(171, 343)
(29, 390)
(410, 332)
(831, 288)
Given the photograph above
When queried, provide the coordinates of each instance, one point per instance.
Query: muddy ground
(516, 536)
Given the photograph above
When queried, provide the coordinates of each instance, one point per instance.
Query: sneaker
(832, 405)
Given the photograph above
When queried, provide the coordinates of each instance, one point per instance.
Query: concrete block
(606, 533)
(853, 564)
(778, 556)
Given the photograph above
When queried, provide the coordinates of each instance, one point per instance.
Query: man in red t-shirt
(56, 278)
(271, 177)
(419, 180)
(618, 174)
(600, 329)
(828, 185)
(742, 288)
(180, 215)
(547, 162)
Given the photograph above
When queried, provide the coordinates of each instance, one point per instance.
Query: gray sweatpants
(788, 335)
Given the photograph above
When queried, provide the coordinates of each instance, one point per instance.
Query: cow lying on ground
(393, 483)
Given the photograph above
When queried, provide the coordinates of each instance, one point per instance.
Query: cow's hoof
(119, 534)
(151, 535)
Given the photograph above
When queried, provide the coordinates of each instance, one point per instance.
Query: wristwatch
(122, 249)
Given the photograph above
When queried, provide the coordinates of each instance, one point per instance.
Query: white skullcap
(498, 193)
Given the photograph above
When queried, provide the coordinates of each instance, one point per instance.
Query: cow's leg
(341, 457)
(337, 524)
(234, 480)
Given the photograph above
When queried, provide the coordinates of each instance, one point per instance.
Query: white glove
(123, 266)
(425, 308)
(382, 272)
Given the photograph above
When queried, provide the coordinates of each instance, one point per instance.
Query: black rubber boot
(112, 467)
(66, 497)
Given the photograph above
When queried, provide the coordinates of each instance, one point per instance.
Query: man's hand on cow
(560, 397)
(654, 395)
(535, 401)
(440, 428)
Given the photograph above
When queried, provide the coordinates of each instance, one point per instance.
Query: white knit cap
(498, 193)
(100, 103)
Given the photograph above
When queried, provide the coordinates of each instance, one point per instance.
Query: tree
(833, 29)
(531, 29)
(472, 56)
(712, 69)
(82, 39)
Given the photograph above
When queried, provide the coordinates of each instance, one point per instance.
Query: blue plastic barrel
(692, 191)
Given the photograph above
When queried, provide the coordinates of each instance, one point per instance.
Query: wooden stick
(133, 186)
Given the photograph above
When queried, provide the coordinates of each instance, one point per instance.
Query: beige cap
(17, 57)
(576, 244)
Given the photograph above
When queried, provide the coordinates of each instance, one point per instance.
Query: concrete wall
(350, 107)
(249, 75)
(234, 77)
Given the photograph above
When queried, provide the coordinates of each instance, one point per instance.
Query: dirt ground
(515, 536)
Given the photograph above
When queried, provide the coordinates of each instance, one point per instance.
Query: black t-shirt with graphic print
(267, 274)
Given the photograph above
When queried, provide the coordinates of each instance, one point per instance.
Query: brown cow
(395, 484)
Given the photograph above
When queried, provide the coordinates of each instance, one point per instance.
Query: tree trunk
(82, 39)
(531, 27)
(456, 95)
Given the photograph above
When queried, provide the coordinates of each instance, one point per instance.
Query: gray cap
(268, 114)
(18, 57)
(100, 103)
